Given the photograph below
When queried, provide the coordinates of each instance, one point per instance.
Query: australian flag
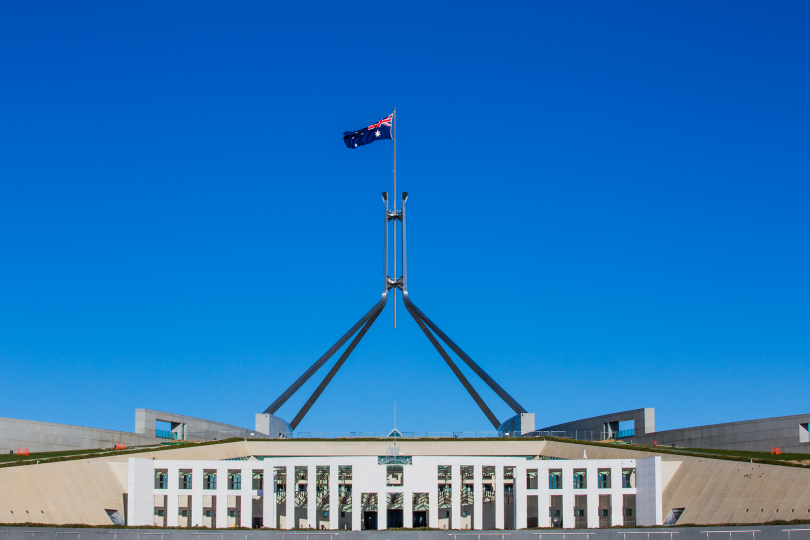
(380, 130)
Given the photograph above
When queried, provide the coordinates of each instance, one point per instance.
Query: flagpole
(394, 133)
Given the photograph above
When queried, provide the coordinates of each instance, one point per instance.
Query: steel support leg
(469, 361)
(321, 361)
(423, 322)
(410, 307)
(332, 372)
(276, 405)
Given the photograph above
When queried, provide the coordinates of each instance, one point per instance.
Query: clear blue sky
(609, 208)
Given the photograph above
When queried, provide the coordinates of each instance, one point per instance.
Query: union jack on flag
(378, 130)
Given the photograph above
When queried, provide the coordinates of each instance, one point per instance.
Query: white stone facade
(420, 476)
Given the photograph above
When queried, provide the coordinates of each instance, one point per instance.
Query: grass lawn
(6, 458)
(743, 453)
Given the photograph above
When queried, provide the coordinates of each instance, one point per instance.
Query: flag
(380, 130)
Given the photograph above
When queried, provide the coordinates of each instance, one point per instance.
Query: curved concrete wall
(273, 426)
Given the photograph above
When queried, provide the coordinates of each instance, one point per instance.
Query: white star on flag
(377, 133)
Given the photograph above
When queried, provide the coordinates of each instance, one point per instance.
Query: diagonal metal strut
(422, 320)
(373, 312)
(332, 372)
(428, 327)
(321, 361)
(469, 361)
(490, 416)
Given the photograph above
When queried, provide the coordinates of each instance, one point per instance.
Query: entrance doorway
(369, 521)
(420, 519)
(395, 519)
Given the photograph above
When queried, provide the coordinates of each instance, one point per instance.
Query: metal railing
(648, 533)
(405, 435)
(752, 531)
(581, 435)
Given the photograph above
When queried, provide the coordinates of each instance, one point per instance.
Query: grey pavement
(754, 532)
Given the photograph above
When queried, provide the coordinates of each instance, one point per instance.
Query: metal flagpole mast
(394, 130)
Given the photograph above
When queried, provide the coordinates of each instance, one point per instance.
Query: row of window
(580, 479)
(554, 480)
(209, 480)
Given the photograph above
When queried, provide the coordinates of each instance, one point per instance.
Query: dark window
(161, 480)
(234, 480)
(185, 479)
(209, 480)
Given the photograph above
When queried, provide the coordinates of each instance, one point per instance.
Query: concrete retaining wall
(761, 435)
(195, 429)
(790, 433)
(644, 420)
(50, 437)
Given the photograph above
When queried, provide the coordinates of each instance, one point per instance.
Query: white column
(543, 501)
(246, 510)
(196, 492)
(478, 497)
(616, 499)
(312, 496)
(407, 508)
(222, 498)
(455, 496)
(334, 505)
(568, 497)
(592, 479)
(649, 491)
(269, 497)
(357, 510)
(172, 506)
(499, 494)
(290, 510)
(433, 498)
(382, 509)
(520, 494)
(382, 500)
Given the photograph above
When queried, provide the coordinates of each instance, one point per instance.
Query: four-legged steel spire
(362, 326)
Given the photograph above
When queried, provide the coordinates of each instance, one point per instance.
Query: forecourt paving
(765, 532)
